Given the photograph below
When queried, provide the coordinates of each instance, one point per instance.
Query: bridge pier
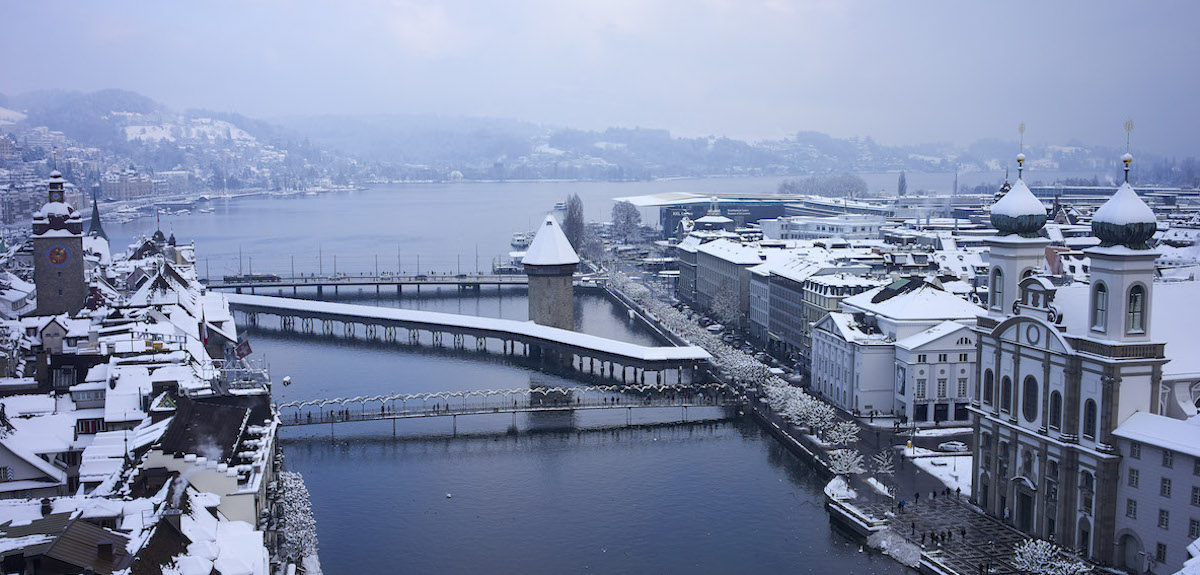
(320, 290)
(414, 336)
(458, 341)
(237, 290)
(306, 324)
(371, 331)
(480, 344)
(389, 333)
(327, 326)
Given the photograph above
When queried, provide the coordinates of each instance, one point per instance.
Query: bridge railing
(364, 408)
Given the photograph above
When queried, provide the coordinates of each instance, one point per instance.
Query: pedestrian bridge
(616, 359)
(491, 401)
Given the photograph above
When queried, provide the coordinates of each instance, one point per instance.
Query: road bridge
(588, 353)
(494, 401)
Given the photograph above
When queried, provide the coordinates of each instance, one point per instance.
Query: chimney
(46, 507)
(172, 518)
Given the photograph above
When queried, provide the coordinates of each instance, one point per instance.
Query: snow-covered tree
(842, 433)
(1041, 557)
(884, 462)
(299, 529)
(845, 462)
(724, 305)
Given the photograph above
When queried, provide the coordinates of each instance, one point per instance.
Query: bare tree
(573, 222)
(724, 305)
(625, 218)
(884, 462)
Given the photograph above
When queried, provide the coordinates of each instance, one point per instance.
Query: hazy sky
(902, 72)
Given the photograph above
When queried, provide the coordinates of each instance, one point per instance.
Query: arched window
(1029, 399)
(1087, 487)
(1135, 321)
(987, 386)
(1100, 307)
(996, 289)
(1055, 410)
(1005, 394)
(1089, 419)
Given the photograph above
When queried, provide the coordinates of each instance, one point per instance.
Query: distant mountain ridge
(435, 147)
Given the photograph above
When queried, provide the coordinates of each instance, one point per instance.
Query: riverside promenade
(959, 539)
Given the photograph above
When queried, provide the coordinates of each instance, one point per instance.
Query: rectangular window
(941, 358)
(1196, 466)
(1133, 478)
(962, 387)
(1135, 450)
(962, 357)
(1131, 508)
(1164, 519)
(941, 388)
(1196, 496)
(1194, 529)
(1164, 487)
(1160, 553)
(1168, 458)
(920, 389)
(6, 474)
(920, 358)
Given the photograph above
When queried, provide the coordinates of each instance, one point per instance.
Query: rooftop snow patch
(550, 247)
(1125, 207)
(1019, 201)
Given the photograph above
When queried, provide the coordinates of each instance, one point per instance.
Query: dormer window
(1100, 307)
(1136, 311)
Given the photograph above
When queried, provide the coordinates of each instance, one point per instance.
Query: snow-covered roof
(923, 303)
(942, 329)
(732, 252)
(1174, 316)
(519, 328)
(1125, 207)
(1161, 431)
(550, 246)
(845, 327)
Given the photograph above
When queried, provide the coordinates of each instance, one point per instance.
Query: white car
(953, 446)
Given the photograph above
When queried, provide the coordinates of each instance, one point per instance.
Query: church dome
(1124, 220)
(158, 237)
(1019, 212)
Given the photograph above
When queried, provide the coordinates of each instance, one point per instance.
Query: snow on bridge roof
(517, 328)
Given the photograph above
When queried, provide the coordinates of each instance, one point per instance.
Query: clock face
(56, 196)
(58, 255)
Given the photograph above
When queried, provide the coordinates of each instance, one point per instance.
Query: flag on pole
(243, 349)
(203, 329)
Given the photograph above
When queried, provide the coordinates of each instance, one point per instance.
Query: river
(529, 494)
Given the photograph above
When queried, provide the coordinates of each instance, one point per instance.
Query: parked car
(953, 446)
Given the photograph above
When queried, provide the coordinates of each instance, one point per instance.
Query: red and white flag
(203, 330)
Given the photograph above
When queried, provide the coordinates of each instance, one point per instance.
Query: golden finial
(1021, 155)
(1127, 158)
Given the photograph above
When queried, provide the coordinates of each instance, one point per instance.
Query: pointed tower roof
(1124, 219)
(1019, 211)
(550, 246)
(94, 227)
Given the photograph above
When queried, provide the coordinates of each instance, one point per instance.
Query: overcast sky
(901, 72)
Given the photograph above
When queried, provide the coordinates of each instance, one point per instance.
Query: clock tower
(58, 268)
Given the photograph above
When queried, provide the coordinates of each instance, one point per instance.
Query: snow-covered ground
(952, 470)
(942, 431)
(878, 486)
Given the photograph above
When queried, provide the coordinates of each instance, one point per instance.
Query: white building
(855, 360)
(845, 226)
